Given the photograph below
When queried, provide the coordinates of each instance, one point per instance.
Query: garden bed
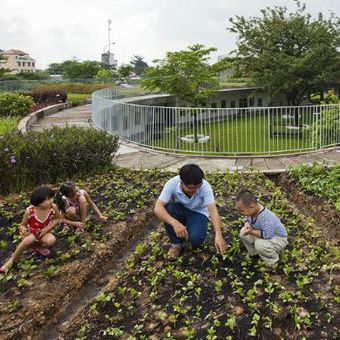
(81, 292)
(326, 216)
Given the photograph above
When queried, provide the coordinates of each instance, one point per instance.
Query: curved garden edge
(325, 215)
(26, 122)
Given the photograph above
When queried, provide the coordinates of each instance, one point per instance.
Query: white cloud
(53, 32)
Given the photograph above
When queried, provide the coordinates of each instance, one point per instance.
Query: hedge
(52, 155)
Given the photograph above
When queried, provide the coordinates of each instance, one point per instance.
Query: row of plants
(205, 296)
(46, 157)
(119, 194)
(319, 180)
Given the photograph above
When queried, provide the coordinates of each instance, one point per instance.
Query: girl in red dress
(36, 227)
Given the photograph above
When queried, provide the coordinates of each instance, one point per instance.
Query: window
(28, 64)
(33, 64)
(19, 63)
(233, 103)
(223, 104)
(251, 101)
(259, 102)
(214, 105)
(23, 63)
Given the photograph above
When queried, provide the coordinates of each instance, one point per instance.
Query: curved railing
(215, 131)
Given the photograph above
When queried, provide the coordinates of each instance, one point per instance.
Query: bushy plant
(78, 99)
(49, 156)
(47, 97)
(13, 104)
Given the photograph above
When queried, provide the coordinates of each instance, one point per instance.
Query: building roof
(14, 52)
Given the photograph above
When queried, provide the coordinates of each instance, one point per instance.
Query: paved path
(132, 156)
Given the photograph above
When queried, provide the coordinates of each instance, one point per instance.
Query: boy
(263, 232)
(185, 204)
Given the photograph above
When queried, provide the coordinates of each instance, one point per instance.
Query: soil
(45, 304)
(326, 216)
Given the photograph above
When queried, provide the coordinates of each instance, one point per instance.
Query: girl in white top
(73, 203)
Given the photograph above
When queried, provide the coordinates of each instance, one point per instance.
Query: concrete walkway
(131, 156)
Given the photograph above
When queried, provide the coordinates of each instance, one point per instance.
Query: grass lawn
(236, 135)
(8, 124)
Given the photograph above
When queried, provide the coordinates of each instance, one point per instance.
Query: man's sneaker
(174, 253)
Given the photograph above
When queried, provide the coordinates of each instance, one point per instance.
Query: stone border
(26, 122)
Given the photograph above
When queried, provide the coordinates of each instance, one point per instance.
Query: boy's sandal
(41, 250)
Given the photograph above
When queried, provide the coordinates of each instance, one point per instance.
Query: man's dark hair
(246, 197)
(191, 174)
(40, 194)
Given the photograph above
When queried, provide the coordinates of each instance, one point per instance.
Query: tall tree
(187, 75)
(138, 64)
(125, 70)
(289, 53)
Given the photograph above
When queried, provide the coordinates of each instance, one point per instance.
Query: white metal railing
(217, 131)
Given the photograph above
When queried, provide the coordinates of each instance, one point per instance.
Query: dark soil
(326, 217)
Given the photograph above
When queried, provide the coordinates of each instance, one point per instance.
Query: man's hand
(220, 244)
(180, 230)
(102, 218)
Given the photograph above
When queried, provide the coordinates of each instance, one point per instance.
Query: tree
(289, 53)
(125, 70)
(138, 64)
(85, 70)
(186, 75)
(105, 73)
(2, 70)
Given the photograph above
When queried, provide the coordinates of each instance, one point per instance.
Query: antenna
(108, 31)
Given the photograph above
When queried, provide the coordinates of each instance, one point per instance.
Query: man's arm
(165, 217)
(220, 243)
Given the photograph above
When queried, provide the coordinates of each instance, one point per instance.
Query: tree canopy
(288, 52)
(138, 64)
(185, 74)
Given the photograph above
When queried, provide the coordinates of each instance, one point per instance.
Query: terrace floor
(130, 155)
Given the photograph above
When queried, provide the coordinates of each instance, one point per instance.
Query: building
(108, 59)
(17, 61)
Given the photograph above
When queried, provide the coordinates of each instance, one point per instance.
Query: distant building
(109, 60)
(17, 61)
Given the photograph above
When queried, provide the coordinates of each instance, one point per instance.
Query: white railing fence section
(217, 131)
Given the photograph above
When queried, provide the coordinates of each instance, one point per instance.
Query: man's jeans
(195, 223)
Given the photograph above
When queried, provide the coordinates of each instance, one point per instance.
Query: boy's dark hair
(40, 194)
(191, 174)
(66, 189)
(246, 197)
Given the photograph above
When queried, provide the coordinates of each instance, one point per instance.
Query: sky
(65, 29)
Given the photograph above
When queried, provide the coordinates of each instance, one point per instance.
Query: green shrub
(13, 104)
(8, 124)
(78, 88)
(77, 99)
(49, 156)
